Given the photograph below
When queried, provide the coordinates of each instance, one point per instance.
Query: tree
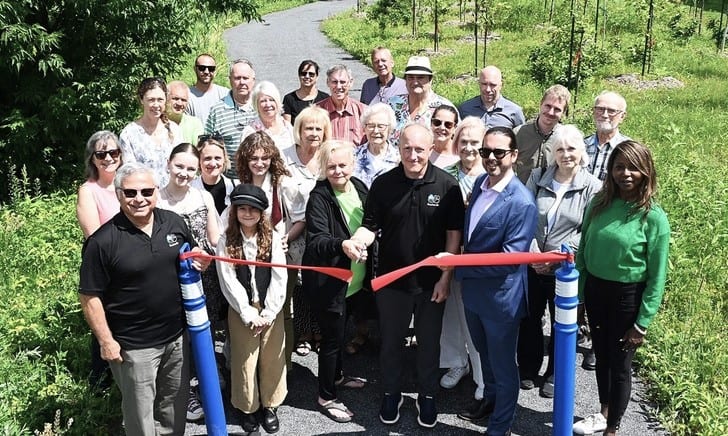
(72, 67)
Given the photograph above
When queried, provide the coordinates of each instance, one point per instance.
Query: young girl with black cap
(256, 295)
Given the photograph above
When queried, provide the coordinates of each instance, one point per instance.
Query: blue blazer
(499, 293)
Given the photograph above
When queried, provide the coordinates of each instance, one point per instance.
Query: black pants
(395, 311)
(541, 290)
(613, 309)
(330, 356)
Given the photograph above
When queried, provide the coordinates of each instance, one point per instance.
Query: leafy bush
(549, 63)
(390, 12)
(716, 32)
(682, 28)
(72, 67)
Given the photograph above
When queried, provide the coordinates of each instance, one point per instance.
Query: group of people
(371, 186)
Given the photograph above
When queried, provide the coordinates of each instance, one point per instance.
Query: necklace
(173, 198)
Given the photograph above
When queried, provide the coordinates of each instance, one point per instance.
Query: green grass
(44, 355)
(685, 359)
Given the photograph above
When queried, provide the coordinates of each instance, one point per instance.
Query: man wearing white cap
(420, 102)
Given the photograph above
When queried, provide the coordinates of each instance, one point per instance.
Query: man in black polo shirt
(130, 295)
(419, 211)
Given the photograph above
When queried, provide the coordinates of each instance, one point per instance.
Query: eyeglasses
(372, 126)
(132, 193)
(202, 68)
(206, 137)
(101, 154)
(609, 111)
(498, 153)
(437, 123)
(307, 74)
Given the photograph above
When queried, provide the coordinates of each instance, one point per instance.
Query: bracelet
(639, 329)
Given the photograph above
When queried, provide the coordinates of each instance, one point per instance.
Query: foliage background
(685, 359)
(71, 67)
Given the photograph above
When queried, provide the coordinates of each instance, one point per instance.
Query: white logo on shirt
(172, 240)
(433, 200)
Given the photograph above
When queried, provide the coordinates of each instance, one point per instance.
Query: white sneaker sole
(422, 423)
(396, 418)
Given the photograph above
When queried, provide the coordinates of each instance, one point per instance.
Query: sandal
(328, 409)
(349, 382)
(303, 348)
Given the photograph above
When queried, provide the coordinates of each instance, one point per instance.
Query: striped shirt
(599, 154)
(345, 125)
(229, 119)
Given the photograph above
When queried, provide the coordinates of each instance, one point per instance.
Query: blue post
(565, 328)
(203, 351)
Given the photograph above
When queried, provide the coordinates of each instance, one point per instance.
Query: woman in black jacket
(334, 211)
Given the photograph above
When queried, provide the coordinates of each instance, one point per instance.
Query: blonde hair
(327, 149)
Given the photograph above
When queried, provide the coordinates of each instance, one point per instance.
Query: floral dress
(217, 305)
(400, 105)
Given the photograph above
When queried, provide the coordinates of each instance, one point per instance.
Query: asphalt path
(276, 47)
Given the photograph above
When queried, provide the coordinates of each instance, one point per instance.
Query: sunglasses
(101, 154)
(132, 193)
(206, 137)
(437, 123)
(307, 74)
(202, 68)
(499, 153)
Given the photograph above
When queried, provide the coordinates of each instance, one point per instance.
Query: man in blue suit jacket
(501, 218)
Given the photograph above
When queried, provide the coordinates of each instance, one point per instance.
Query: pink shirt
(347, 124)
(107, 204)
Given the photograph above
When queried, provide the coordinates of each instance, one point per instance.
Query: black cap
(250, 195)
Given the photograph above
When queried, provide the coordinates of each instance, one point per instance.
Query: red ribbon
(339, 273)
(471, 259)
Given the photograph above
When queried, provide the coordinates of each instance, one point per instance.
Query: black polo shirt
(413, 216)
(136, 278)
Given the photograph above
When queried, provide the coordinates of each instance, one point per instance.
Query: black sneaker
(426, 411)
(590, 361)
(389, 413)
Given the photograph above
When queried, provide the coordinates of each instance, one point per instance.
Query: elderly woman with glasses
(267, 102)
(377, 154)
(420, 102)
(562, 191)
(443, 123)
(456, 345)
(306, 94)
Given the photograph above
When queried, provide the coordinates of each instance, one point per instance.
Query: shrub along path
(276, 47)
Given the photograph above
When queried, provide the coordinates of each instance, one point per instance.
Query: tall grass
(685, 359)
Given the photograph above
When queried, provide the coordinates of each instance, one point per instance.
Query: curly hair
(639, 157)
(254, 142)
(234, 236)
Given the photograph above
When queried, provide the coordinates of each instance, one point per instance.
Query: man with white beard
(610, 109)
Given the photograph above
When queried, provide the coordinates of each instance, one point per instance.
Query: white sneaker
(479, 392)
(591, 424)
(194, 408)
(453, 376)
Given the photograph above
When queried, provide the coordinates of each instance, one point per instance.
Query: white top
(236, 294)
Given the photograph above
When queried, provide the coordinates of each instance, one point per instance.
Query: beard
(605, 127)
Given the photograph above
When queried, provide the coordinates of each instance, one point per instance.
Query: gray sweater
(570, 212)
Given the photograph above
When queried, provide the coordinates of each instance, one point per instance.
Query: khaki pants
(154, 385)
(257, 365)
